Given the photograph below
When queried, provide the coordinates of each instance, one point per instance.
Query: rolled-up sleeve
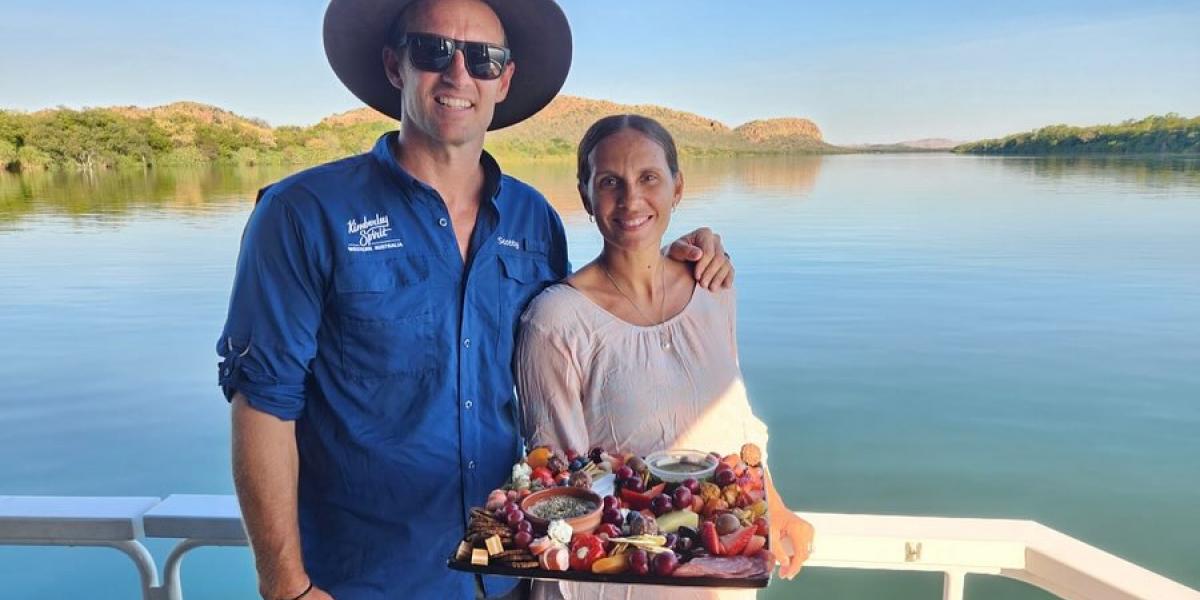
(270, 334)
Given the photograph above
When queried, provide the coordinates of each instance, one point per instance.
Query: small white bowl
(677, 465)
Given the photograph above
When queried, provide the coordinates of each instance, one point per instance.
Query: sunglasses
(434, 53)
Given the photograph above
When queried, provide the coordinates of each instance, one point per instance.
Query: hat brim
(538, 34)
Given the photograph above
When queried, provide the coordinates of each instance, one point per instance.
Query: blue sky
(865, 71)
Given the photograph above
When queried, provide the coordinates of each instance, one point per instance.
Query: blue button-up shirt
(354, 314)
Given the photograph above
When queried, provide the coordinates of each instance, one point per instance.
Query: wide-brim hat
(538, 36)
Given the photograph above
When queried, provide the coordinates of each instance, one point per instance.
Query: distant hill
(557, 129)
(1167, 134)
(931, 144)
(193, 133)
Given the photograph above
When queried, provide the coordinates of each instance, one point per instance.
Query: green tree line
(1166, 134)
(102, 138)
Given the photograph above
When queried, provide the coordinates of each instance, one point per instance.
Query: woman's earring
(592, 218)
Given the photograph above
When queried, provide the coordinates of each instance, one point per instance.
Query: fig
(727, 523)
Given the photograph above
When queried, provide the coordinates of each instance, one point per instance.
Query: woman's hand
(712, 268)
(791, 540)
(791, 536)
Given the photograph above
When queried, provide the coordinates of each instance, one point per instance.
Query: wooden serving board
(630, 578)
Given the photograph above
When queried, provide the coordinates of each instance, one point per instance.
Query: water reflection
(111, 196)
(1142, 172)
(706, 179)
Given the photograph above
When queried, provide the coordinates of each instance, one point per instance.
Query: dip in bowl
(677, 465)
(580, 508)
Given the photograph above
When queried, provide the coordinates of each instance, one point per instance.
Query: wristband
(304, 593)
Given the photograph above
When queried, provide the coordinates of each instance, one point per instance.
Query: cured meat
(726, 567)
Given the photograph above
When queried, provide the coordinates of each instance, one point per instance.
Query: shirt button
(225, 372)
(443, 222)
(467, 343)
(471, 465)
(468, 404)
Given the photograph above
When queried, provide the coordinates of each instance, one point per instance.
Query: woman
(629, 354)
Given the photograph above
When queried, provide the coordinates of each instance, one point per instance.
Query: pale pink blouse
(586, 378)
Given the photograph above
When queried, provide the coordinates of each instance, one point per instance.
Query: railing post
(954, 586)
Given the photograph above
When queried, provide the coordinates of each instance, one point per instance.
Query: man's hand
(712, 268)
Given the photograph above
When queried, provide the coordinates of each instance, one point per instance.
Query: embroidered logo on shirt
(503, 241)
(372, 234)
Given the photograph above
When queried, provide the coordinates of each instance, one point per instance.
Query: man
(367, 352)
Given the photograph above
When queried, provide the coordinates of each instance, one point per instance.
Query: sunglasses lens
(430, 52)
(434, 53)
(485, 61)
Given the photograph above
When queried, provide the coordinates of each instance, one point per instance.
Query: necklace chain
(662, 299)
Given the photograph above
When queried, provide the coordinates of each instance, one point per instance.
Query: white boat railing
(956, 547)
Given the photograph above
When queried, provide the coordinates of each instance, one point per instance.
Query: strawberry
(636, 501)
(762, 527)
(708, 537)
(756, 543)
(734, 543)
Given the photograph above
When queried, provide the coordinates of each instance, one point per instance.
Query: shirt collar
(383, 154)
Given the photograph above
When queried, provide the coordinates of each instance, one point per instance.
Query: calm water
(931, 335)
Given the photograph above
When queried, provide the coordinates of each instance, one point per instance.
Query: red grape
(611, 515)
(724, 478)
(611, 502)
(624, 472)
(661, 505)
(522, 539)
(682, 497)
(639, 561)
(525, 526)
(609, 530)
(514, 517)
(665, 563)
(691, 484)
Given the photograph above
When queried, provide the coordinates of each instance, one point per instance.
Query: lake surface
(924, 334)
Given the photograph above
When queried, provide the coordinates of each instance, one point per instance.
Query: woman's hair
(609, 125)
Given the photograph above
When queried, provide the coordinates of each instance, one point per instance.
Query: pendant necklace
(664, 334)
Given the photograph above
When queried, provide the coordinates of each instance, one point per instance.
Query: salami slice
(723, 567)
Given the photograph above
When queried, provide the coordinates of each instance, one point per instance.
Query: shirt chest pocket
(386, 317)
(521, 278)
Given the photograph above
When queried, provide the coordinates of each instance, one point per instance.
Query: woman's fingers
(800, 535)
